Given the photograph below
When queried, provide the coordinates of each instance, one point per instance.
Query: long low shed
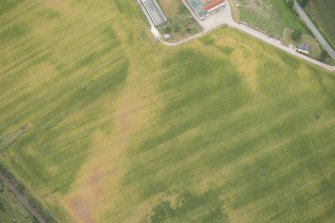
(155, 12)
(204, 8)
(197, 7)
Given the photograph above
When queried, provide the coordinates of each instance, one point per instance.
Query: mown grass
(274, 12)
(323, 14)
(222, 129)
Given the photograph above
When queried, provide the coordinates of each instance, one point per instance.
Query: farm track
(22, 199)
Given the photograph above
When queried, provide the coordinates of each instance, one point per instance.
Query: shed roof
(305, 46)
(197, 7)
(213, 4)
(155, 12)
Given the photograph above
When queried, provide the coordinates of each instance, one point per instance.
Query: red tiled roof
(213, 4)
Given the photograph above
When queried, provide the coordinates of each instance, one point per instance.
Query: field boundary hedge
(22, 189)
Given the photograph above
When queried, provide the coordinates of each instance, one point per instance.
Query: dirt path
(22, 199)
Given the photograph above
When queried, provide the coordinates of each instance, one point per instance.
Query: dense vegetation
(24, 192)
(181, 23)
(11, 210)
(303, 3)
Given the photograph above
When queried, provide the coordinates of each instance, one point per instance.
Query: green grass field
(271, 16)
(11, 210)
(322, 13)
(124, 129)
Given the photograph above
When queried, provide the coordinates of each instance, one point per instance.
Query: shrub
(289, 3)
(167, 28)
(303, 3)
(177, 27)
(323, 55)
(20, 188)
(296, 34)
(2, 208)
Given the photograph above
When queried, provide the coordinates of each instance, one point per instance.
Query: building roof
(305, 47)
(155, 12)
(197, 7)
(213, 4)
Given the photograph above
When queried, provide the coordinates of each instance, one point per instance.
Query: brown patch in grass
(61, 6)
(83, 208)
(134, 112)
(247, 68)
(98, 182)
(249, 74)
(227, 41)
(88, 187)
(170, 7)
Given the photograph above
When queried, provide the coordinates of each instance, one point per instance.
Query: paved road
(314, 30)
(22, 199)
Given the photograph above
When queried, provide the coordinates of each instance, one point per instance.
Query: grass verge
(274, 12)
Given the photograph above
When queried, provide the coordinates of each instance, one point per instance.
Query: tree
(289, 3)
(303, 3)
(167, 28)
(296, 34)
(323, 55)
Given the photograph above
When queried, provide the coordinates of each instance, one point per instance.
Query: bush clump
(289, 3)
(303, 3)
(296, 34)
